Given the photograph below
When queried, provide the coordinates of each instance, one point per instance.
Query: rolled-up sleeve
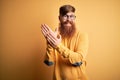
(49, 57)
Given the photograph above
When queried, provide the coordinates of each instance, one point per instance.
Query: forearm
(80, 50)
(75, 58)
(49, 57)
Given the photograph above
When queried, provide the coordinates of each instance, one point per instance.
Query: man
(66, 47)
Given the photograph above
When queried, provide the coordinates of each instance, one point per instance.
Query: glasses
(72, 17)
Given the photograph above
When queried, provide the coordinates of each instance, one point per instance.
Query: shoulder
(81, 34)
(82, 38)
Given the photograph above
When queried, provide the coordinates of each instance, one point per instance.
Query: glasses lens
(72, 17)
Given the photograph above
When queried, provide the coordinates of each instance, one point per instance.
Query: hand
(52, 37)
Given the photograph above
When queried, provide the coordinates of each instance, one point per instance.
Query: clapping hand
(53, 38)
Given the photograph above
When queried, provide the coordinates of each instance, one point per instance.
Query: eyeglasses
(72, 17)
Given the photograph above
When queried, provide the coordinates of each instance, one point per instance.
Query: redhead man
(66, 47)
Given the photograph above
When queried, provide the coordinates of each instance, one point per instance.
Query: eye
(72, 17)
(65, 16)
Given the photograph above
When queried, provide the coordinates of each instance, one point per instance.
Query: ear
(59, 17)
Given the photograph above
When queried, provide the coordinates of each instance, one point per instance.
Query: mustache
(71, 22)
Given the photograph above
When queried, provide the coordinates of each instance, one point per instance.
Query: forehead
(70, 13)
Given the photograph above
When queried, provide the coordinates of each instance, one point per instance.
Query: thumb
(59, 36)
(56, 30)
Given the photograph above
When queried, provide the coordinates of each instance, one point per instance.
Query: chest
(70, 43)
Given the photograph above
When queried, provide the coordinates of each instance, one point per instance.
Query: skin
(51, 36)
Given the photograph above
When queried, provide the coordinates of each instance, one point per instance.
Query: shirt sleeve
(75, 57)
(49, 57)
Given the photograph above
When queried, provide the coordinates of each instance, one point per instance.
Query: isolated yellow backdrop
(22, 46)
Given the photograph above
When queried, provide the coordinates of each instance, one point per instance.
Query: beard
(67, 31)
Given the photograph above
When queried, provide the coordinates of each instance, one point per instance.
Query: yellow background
(22, 45)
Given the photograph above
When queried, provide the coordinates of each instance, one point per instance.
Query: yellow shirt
(69, 58)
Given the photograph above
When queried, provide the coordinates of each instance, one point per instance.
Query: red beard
(67, 31)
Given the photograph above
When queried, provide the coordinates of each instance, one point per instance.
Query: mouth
(67, 22)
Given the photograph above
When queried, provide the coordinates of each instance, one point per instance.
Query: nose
(68, 18)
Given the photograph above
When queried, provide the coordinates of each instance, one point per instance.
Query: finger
(59, 36)
(50, 42)
(45, 29)
(51, 38)
(43, 32)
(48, 28)
(56, 30)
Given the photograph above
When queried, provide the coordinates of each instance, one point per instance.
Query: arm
(75, 57)
(49, 57)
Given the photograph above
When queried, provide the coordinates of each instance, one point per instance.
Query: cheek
(63, 21)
